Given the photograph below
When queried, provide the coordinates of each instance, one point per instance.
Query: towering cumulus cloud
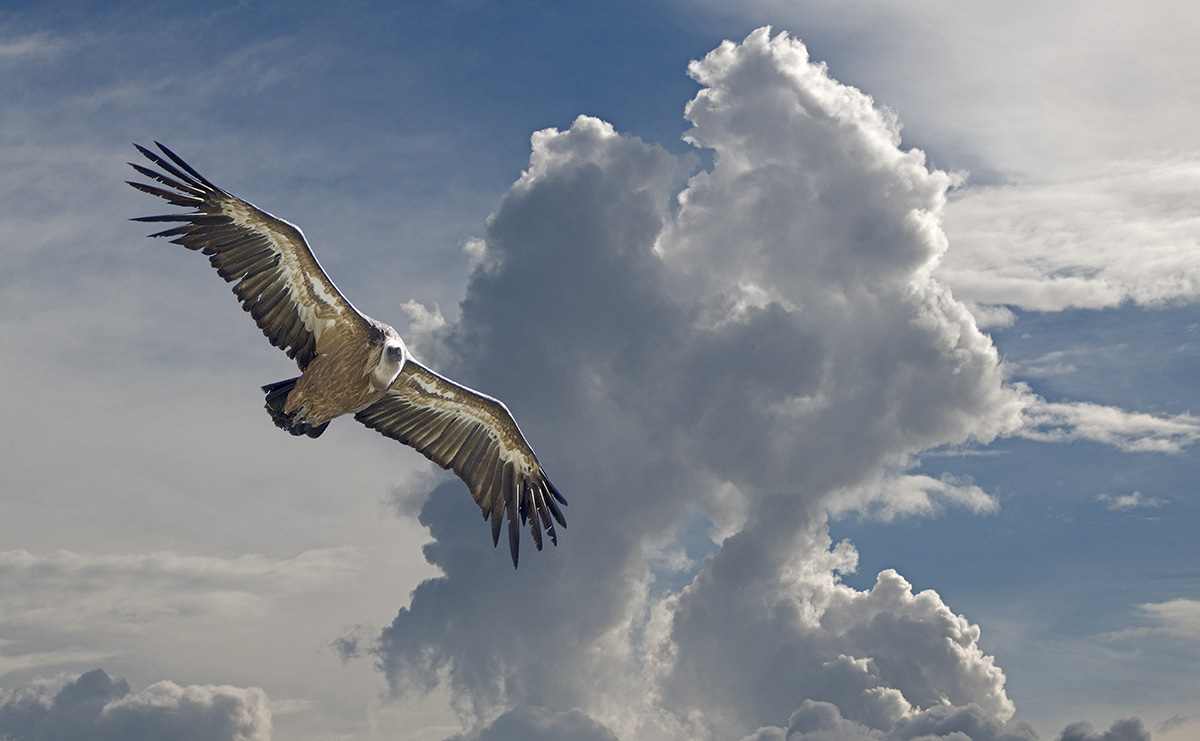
(707, 379)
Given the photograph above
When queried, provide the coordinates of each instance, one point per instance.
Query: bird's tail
(277, 394)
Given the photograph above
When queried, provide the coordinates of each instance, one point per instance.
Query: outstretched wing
(476, 436)
(276, 276)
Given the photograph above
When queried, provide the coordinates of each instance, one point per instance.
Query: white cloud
(899, 495)
(1128, 501)
(1054, 363)
(1128, 235)
(1173, 619)
(1129, 431)
(102, 709)
(775, 348)
(1075, 120)
(1178, 617)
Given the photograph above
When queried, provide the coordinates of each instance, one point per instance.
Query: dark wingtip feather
(495, 528)
(167, 166)
(164, 217)
(514, 538)
(535, 526)
(552, 505)
(554, 491)
(179, 161)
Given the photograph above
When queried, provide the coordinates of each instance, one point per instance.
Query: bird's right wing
(476, 436)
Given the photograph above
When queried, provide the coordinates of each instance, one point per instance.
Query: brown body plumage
(341, 379)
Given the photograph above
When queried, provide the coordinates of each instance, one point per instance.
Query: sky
(860, 336)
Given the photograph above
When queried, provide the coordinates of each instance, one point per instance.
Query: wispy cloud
(899, 495)
(1129, 431)
(1054, 363)
(1178, 617)
(1175, 721)
(40, 44)
(1128, 501)
(25, 661)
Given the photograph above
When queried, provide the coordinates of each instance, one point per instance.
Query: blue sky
(973, 366)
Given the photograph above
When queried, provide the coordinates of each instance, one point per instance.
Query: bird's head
(393, 352)
(391, 360)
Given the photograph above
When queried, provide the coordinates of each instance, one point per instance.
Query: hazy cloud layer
(71, 591)
(64, 609)
(98, 708)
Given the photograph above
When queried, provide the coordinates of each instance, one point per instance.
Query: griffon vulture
(350, 363)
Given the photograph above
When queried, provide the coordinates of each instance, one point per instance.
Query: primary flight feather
(350, 363)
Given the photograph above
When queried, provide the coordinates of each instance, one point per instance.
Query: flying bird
(349, 362)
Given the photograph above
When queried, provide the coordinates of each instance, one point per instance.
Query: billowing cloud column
(768, 348)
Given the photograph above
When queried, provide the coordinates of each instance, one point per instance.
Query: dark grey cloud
(1129, 729)
(823, 721)
(1175, 721)
(98, 708)
(532, 723)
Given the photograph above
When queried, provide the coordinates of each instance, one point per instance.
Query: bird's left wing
(476, 436)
